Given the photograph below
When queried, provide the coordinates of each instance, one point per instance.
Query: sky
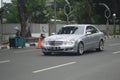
(5, 1)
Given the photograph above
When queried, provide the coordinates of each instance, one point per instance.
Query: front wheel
(101, 46)
(80, 48)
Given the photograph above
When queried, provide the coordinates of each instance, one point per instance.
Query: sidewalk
(111, 37)
(6, 46)
(29, 42)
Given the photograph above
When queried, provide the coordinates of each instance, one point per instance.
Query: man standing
(18, 33)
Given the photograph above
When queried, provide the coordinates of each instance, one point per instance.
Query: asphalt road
(31, 64)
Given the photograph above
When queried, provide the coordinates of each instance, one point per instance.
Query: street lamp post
(107, 16)
(1, 22)
(67, 7)
(114, 27)
(55, 15)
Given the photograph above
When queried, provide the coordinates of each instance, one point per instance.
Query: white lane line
(5, 61)
(58, 66)
(117, 52)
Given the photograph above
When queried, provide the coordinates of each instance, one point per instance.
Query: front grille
(55, 49)
(55, 43)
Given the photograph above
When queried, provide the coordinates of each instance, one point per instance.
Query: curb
(31, 44)
(111, 37)
(26, 45)
(4, 47)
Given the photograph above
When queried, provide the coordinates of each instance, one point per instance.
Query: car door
(94, 37)
(88, 40)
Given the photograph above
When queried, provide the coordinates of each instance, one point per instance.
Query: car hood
(63, 37)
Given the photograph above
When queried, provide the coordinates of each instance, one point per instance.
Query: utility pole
(1, 21)
(67, 13)
(114, 23)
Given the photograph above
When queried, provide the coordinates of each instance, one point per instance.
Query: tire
(80, 48)
(47, 53)
(101, 46)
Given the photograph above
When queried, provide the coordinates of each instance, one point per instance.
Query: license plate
(53, 48)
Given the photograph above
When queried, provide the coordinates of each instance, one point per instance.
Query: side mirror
(88, 33)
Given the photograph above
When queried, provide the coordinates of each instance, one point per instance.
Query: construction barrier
(39, 43)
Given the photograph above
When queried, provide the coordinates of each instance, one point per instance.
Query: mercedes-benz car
(74, 39)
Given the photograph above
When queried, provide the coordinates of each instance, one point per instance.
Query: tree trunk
(90, 12)
(23, 18)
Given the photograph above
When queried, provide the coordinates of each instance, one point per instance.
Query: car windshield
(71, 30)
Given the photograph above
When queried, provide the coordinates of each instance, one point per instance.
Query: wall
(36, 29)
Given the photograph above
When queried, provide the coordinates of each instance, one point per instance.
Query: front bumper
(59, 49)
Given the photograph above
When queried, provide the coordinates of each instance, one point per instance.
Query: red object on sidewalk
(39, 43)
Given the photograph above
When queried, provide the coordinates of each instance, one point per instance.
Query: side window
(94, 30)
(88, 29)
(91, 29)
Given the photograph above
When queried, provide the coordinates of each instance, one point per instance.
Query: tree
(25, 12)
(11, 12)
(30, 11)
(82, 11)
(1, 11)
(23, 16)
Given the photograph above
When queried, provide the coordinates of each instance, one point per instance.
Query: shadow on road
(74, 54)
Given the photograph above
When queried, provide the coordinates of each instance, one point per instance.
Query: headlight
(69, 43)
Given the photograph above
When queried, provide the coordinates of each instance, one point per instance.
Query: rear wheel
(101, 46)
(80, 48)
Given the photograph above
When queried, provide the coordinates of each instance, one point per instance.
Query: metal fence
(36, 29)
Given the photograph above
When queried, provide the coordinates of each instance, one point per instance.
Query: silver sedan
(75, 39)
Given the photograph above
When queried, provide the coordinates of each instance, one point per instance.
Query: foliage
(34, 8)
(83, 11)
(11, 12)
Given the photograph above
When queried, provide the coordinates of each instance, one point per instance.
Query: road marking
(117, 52)
(58, 66)
(6, 61)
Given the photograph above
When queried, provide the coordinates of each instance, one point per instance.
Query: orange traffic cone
(39, 43)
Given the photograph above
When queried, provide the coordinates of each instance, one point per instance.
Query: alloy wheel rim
(81, 49)
(101, 45)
